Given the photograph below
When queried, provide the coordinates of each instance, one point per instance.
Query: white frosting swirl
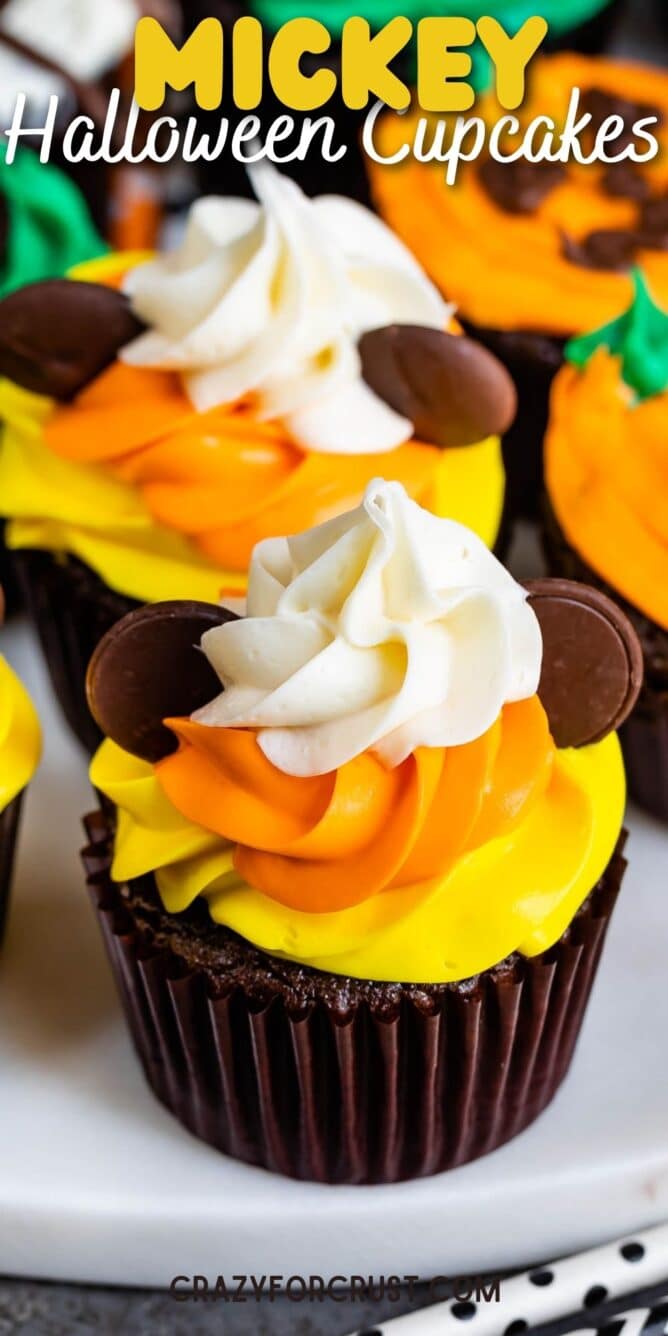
(269, 300)
(85, 37)
(386, 628)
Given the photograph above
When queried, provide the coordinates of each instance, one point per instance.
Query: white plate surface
(99, 1183)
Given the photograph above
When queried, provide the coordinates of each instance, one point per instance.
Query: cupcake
(19, 756)
(606, 464)
(45, 228)
(251, 383)
(354, 889)
(80, 50)
(534, 254)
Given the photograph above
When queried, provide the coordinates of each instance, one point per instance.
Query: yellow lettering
(247, 58)
(441, 71)
(365, 60)
(158, 62)
(300, 91)
(511, 55)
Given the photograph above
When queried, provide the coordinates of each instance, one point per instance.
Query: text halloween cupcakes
(19, 755)
(355, 902)
(535, 253)
(606, 467)
(250, 383)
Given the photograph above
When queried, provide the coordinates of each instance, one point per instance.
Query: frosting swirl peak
(267, 301)
(385, 629)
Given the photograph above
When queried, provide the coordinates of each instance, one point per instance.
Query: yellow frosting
(20, 737)
(62, 506)
(518, 892)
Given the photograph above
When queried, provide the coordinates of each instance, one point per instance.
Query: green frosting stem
(562, 15)
(639, 337)
(49, 228)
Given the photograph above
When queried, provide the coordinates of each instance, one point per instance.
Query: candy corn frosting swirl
(606, 453)
(240, 411)
(20, 739)
(376, 791)
(508, 269)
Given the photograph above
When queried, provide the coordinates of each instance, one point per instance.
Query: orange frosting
(508, 270)
(335, 840)
(225, 479)
(606, 462)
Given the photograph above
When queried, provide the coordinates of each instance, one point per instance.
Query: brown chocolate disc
(453, 390)
(592, 661)
(58, 335)
(149, 667)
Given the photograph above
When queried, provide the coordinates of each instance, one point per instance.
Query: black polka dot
(464, 1311)
(517, 1327)
(595, 1296)
(632, 1252)
(541, 1278)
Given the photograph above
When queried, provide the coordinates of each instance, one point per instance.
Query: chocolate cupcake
(534, 254)
(606, 461)
(19, 756)
(154, 436)
(355, 902)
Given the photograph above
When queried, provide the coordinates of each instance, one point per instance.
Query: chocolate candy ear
(592, 661)
(148, 668)
(57, 336)
(453, 390)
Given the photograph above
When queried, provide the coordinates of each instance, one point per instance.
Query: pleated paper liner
(9, 823)
(644, 736)
(368, 1083)
(71, 608)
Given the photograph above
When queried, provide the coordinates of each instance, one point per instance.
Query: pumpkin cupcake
(20, 746)
(606, 467)
(251, 383)
(534, 254)
(354, 889)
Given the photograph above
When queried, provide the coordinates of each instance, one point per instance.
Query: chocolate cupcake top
(606, 452)
(410, 771)
(544, 247)
(20, 737)
(251, 382)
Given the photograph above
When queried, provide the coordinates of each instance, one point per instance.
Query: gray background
(38, 1309)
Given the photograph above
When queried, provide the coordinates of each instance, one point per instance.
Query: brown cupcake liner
(404, 1081)
(9, 824)
(71, 608)
(644, 736)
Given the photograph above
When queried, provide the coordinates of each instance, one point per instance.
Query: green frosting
(561, 15)
(48, 226)
(639, 337)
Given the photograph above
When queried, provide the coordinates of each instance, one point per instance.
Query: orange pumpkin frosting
(510, 270)
(332, 841)
(606, 461)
